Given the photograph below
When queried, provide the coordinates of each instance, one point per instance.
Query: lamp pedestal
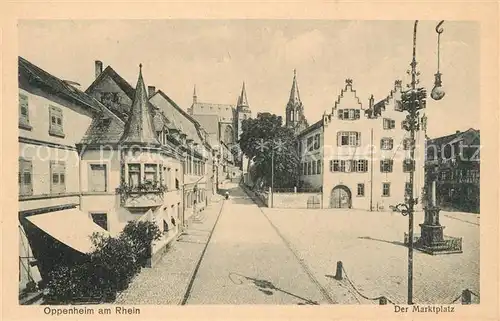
(432, 240)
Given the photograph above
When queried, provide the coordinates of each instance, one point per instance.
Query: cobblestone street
(258, 255)
(370, 246)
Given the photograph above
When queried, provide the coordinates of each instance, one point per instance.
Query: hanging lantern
(438, 91)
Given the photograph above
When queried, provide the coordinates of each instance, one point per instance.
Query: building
(454, 161)
(53, 117)
(93, 161)
(224, 122)
(294, 112)
(172, 125)
(191, 138)
(130, 171)
(337, 155)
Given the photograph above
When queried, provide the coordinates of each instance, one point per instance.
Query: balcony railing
(147, 194)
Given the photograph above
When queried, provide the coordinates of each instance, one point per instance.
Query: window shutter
(340, 113)
(393, 124)
(339, 138)
(357, 114)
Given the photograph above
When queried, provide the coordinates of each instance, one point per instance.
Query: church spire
(139, 126)
(243, 101)
(195, 98)
(294, 92)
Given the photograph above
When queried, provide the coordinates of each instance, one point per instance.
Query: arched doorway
(340, 197)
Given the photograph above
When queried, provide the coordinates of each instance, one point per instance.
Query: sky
(218, 55)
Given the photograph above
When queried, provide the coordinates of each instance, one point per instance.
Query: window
(334, 166)
(348, 139)
(97, 178)
(408, 165)
(362, 166)
(313, 167)
(408, 189)
(310, 145)
(176, 179)
(58, 177)
(361, 189)
(389, 123)
(309, 168)
(25, 177)
(407, 142)
(386, 143)
(386, 165)
(348, 114)
(165, 226)
(134, 175)
(56, 121)
(24, 119)
(318, 169)
(100, 219)
(316, 141)
(386, 189)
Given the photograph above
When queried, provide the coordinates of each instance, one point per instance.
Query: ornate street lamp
(413, 100)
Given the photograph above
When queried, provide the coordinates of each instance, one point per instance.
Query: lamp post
(413, 100)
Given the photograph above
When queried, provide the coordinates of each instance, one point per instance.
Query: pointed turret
(139, 127)
(195, 98)
(294, 114)
(242, 100)
(294, 92)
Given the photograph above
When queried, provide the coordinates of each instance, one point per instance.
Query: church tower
(294, 117)
(242, 110)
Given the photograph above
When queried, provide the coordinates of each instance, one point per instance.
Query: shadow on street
(384, 241)
(267, 287)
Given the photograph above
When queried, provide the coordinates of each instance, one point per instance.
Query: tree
(261, 137)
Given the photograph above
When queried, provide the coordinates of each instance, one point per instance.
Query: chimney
(457, 132)
(151, 91)
(98, 68)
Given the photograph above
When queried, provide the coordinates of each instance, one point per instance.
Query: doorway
(340, 197)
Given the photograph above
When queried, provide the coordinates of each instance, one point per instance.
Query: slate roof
(139, 128)
(222, 110)
(467, 136)
(210, 124)
(311, 128)
(178, 117)
(56, 85)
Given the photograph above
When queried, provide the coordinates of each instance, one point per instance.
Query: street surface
(258, 255)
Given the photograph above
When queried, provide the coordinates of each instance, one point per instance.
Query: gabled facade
(173, 126)
(131, 173)
(337, 155)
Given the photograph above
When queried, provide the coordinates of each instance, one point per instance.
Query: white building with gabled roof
(359, 157)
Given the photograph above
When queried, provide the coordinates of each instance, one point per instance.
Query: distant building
(337, 158)
(454, 161)
(223, 122)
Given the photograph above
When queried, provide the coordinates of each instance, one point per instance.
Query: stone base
(431, 235)
(449, 245)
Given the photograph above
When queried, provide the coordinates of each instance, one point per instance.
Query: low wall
(297, 200)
